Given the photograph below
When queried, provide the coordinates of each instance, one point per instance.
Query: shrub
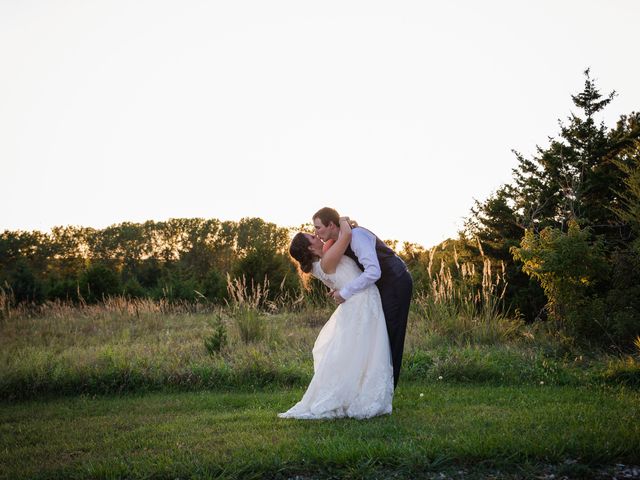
(63, 289)
(218, 339)
(215, 287)
(133, 289)
(261, 264)
(178, 286)
(25, 285)
(98, 282)
(570, 267)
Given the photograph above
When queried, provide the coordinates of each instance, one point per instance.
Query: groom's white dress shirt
(363, 244)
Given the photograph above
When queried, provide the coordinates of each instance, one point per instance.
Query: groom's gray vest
(391, 265)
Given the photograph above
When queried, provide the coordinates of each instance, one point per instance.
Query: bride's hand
(345, 225)
(352, 223)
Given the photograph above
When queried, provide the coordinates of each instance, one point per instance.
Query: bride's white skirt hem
(356, 410)
(331, 415)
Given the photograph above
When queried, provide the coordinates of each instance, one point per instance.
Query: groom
(379, 265)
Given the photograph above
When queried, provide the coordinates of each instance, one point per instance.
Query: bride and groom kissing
(358, 353)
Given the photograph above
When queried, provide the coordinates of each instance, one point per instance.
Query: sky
(398, 114)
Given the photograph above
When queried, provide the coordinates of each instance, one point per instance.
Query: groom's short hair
(327, 215)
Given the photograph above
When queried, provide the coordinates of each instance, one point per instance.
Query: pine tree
(578, 178)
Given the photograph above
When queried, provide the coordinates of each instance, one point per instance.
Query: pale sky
(397, 113)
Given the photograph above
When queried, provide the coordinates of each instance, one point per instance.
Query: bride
(353, 375)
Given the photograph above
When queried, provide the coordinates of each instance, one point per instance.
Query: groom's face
(325, 232)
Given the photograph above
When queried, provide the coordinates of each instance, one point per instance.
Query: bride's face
(315, 244)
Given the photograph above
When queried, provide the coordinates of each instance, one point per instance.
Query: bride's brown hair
(299, 250)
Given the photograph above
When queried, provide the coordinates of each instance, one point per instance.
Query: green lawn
(511, 406)
(513, 429)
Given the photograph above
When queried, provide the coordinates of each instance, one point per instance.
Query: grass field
(434, 429)
(130, 390)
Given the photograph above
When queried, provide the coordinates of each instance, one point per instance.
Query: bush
(178, 286)
(215, 287)
(133, 289)
(570, 267)
(263, 264)
(98, 282)
(63, 289)
(623, 299)
(218, 339)
(24, 284)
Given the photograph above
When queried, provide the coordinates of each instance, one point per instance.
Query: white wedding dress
(353, 374)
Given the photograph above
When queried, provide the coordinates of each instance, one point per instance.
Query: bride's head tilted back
(305, 249)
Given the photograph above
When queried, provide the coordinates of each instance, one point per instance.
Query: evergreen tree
(578, 178)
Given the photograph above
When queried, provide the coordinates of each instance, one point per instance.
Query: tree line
(179, 259)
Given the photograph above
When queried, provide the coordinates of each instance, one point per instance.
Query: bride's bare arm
(331, 257)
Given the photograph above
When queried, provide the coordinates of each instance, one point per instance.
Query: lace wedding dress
(353, 375)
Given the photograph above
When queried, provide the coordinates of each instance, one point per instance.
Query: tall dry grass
(463, 305)
(135, 344)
